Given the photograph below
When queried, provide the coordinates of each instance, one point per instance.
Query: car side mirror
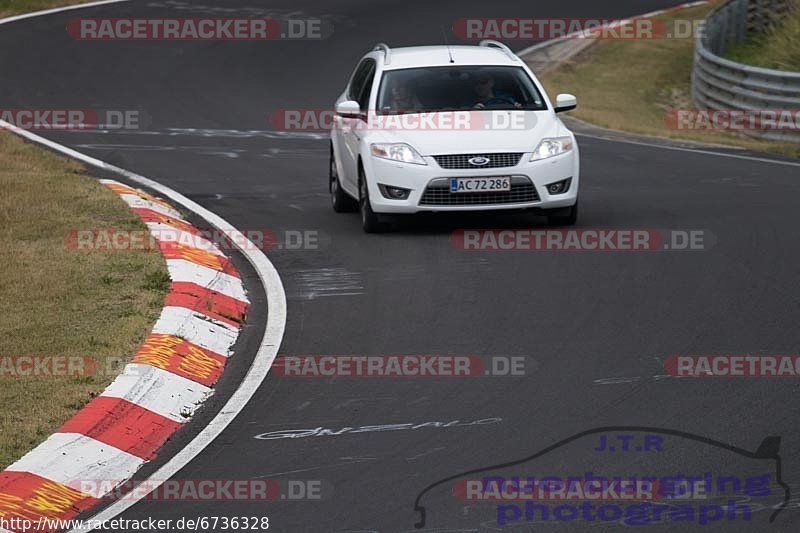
(566, 102)
(348, 109)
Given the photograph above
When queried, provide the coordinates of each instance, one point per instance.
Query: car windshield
(457, 88)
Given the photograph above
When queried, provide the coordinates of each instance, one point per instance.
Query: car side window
(366, 89)
(359, 78)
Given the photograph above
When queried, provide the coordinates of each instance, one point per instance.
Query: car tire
(369, 220)
(340, 200)
(570, 219)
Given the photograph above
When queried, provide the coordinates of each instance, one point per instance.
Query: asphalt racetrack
(593, 329)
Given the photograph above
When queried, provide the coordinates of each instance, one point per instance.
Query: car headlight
(551, 147)
(397, 152)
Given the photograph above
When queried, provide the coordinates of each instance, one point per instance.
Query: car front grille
(461, 161)
(437, 193)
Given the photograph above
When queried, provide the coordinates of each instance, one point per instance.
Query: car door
(351, 129)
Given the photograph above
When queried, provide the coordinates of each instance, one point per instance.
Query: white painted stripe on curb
(270, 341)
(160, 391)
(267, 351)
(137, 201)
(69, 458)
(197, 328)
(182, 270)
(166, 233)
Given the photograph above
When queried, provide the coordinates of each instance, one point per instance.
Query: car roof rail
(387, 52)
(488, 43)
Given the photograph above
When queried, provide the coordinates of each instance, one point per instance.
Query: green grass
(777, 49)
(16, 7)
(57, 301)
(630, 85)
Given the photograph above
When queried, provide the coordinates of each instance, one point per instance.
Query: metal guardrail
(721, 84)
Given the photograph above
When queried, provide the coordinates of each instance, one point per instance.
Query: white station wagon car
(451, 128)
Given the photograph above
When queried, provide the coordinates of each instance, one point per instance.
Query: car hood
(485, 131)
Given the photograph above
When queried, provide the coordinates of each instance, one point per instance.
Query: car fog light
(394, 193)
(559, 187)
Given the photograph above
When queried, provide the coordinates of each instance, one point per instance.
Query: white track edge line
(57, 10)
(267, 274)
(692, 150)
(267, 351)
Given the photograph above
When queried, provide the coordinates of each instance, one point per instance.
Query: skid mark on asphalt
(209, 133)
(316, 283)
(421, 399)
(425, 454)
(354, 401)
(414, 271)
(244, 134)
(636, 379)
(222, 151)
(295, 153)
(219, 151)
(345, 462)
(633, 379)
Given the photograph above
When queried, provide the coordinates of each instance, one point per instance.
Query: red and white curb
(170, 376)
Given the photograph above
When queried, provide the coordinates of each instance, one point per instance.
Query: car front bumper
(529, 185)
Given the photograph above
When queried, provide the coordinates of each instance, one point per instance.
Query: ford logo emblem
(479, 161)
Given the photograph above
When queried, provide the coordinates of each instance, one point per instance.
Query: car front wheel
(369, 220)
(340, 200)
(570, 218)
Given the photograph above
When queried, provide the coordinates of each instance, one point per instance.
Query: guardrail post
(722, 31)
(741, 20)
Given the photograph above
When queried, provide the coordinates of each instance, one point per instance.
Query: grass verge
(777, 49)
(630, 85)
(62, 302)
(9, 8)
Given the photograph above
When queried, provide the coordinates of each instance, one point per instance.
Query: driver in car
(487, 96)
(404, 98)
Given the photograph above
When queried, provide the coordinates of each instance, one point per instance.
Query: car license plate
(496, 184)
